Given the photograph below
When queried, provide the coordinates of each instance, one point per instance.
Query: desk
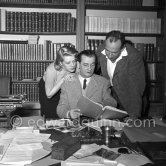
(150, 138)
(48, 161)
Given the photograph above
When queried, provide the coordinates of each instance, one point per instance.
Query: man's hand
(74, 113)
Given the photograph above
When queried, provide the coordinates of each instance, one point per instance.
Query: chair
(5, 114)
(4, 85)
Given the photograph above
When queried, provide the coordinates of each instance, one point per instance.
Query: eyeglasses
(91, 66)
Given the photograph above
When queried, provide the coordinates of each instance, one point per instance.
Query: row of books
(37, 21)
(155, 71)
(148, 50)
(52, 49)
(91, 2)
(115, 2)
(156, 93)
(29, 89)
(39, 1)
(23, 70)
(126, 25)
(21, 51)
(93, 44)
(126, 2)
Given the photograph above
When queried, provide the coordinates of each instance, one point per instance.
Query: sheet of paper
(87, 161)
(86, 150)
(5, 143)
(23, 154)
(85, 157)
(132, 159)
(14, 154)
(22, 137)
(22, 147)
(25, 138)
(13, 133)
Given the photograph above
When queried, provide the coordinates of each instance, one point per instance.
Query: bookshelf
(51, 23)
(148, 38)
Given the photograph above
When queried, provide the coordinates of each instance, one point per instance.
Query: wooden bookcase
(23, 60)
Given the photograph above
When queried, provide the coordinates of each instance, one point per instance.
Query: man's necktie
(84, 84)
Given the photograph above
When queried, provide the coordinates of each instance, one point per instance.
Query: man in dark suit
(124, 66)
(85, 82)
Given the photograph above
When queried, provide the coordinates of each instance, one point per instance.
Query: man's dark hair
(116, 35)
(88, 53)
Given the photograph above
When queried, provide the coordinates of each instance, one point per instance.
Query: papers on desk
(86, 150)
(18, 155)
(90, 159)
(23, 147)
(132, 160)
(87, 161)
(4, 146)
(84, 157)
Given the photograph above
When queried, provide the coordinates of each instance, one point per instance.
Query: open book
(95, 110)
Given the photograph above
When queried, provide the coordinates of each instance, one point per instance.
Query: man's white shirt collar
(82, 79)
(111, 66)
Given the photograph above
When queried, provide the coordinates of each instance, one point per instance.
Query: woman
(50, 83)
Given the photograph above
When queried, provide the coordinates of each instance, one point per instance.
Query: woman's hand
(69, 77)
(62, 75)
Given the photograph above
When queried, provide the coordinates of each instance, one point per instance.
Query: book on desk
(96, 110)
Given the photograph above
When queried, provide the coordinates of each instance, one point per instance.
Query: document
(23, 154)
(22, 147)
(86, 150)
(87, 161)
(131, 159)
(4, 144)
(95, 110)
(85, 157)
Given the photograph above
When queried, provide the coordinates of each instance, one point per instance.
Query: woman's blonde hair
(62, 52)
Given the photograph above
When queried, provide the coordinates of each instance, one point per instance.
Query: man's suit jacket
(97, 90)
(128, 79)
